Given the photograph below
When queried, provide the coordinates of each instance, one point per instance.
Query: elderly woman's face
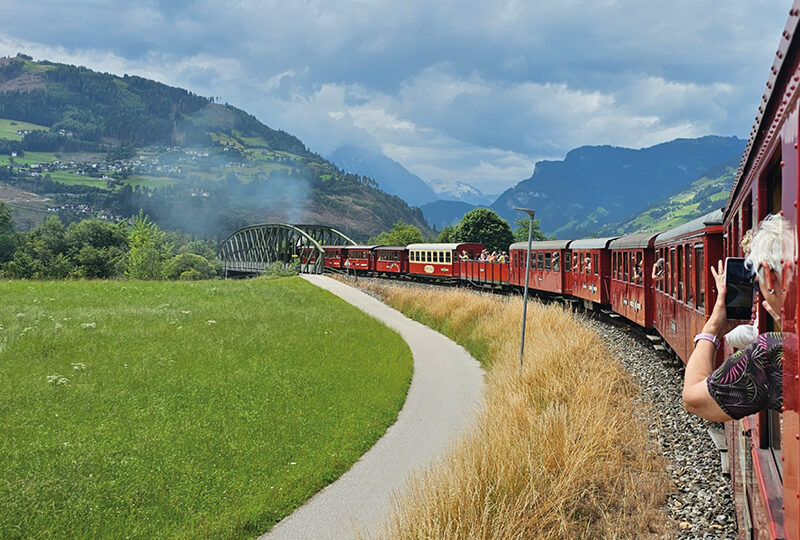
(769, 283)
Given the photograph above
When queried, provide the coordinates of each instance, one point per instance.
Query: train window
(639, 274)
(556, 257)
(774, 188)
(449, 257)
(596, 267)
(673, 287)
(680, 275)
(626, 267)
(540, 260)
(567, 261)
(700, 281)
(689, 282)
(437, 257)
(547, 258)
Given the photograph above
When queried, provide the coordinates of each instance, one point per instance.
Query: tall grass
(560, 449)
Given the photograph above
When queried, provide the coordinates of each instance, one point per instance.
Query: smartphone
(739, 284)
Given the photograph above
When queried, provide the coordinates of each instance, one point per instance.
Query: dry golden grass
(560, 450)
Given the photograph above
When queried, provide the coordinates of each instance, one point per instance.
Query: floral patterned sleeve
(750, 380)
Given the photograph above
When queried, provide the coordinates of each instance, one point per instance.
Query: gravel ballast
(702, 505)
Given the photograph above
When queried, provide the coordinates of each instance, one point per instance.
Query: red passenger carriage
(391, 259)
(547, 271)
(334, 256)
(360, 259)
(591, 270)
(439, 260)
(683, 299)
(631, 283)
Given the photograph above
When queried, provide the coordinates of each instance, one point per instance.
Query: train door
(567, 272)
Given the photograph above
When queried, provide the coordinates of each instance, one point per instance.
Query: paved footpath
(444, 395)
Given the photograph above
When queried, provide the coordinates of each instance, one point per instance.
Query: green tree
(6, 223)
(96, 248)
(521, 230)
(189, 266)
(448, 235)
(148, 250)
(401, 234)
(484, 226)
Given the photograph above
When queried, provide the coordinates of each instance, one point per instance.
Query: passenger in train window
(658, 270)
(637, 273)
(750, 380)
(556, 256)
(587, 262)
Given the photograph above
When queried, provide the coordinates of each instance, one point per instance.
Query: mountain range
(116, 144)
(594, 186)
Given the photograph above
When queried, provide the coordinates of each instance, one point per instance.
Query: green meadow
(183, 409)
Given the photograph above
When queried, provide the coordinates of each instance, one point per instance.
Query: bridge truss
(251, 249)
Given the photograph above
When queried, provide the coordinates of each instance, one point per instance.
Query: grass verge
(560, 450)
(206, 409)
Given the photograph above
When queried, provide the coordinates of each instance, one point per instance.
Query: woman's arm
(696, 397)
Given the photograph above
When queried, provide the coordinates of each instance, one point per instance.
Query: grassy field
(561, 448)
(9, 128)
(176, 410)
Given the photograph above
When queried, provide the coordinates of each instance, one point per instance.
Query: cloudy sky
(455, 90)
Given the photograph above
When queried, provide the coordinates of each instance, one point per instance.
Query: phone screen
(739, 284)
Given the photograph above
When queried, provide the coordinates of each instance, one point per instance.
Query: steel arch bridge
(251, 249)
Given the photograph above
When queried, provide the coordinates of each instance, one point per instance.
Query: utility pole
(527, 276)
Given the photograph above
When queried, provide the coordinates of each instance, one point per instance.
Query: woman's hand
(718, 323)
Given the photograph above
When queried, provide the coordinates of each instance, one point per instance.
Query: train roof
(592, 243)
(440, 247)
(639, 240)
(542, 244)
(370, 248)
(390, 248)
(772, 101)
(712, 218)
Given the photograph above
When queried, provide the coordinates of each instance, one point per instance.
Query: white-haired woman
(750, 379)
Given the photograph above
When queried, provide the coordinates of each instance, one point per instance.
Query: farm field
(9, 128)
(183, 409)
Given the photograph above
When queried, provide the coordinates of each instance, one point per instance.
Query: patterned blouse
(750, 380)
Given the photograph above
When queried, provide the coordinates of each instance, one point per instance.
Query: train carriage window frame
(689, 281)
(673, 287)
(625, 266)
(681, 277)
(640, 261)
(700, 278)
(568, 261)
(594, 262)
(540, 260)
(556, 260)
(547, 261)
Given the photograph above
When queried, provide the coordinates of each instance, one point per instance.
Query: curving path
(444, 394)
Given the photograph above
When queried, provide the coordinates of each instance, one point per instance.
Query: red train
(673, 298)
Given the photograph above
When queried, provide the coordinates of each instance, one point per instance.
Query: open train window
(614, 263)
(547, 257)
(680, 274)
(556, 257)
(688, 274)
(540, 260)
(567, 261)
(594, 264)
(625, 266)
(639, 278)
(700, 277)
(672, 274)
